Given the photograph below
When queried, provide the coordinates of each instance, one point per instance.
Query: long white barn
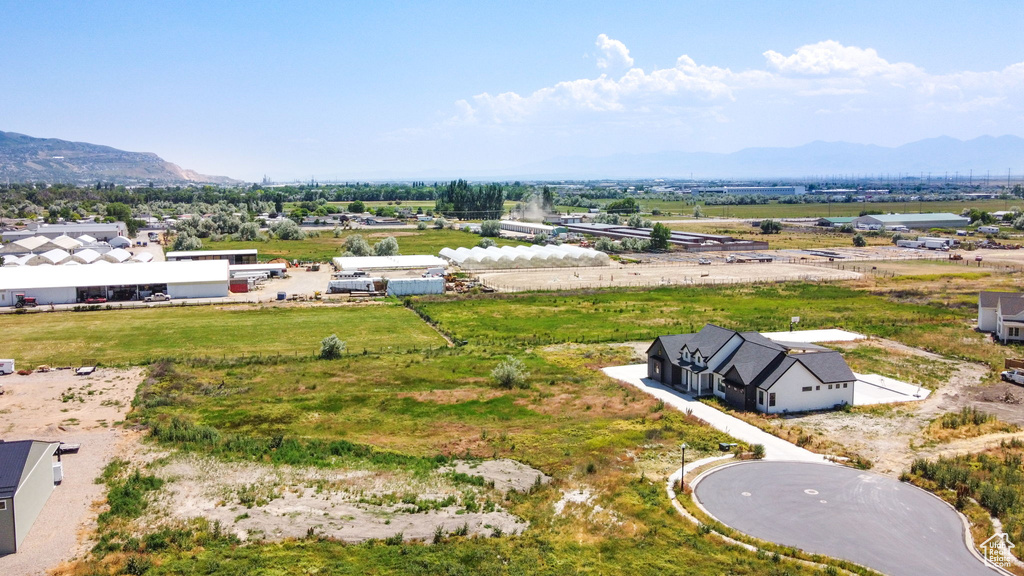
(71, 284)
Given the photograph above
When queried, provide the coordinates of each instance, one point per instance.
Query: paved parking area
(869, 519)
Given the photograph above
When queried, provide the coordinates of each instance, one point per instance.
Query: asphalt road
(844, 513)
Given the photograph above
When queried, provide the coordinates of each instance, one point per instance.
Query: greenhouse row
(505, 257)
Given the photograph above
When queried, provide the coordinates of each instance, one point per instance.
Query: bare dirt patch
(58, 406)
(453, 395)
(504, 473)
(658, 275)
(273, 503)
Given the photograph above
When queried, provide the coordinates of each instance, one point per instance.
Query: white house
(1002, 313)
(750, 372)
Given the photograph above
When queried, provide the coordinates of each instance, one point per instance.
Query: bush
(771, 226)
(659, 237)
(357, 207)
(289, 230)
(386, 247)
(859, 241)
(491, 228)
(510, 373)
(248, 232)
(186, 241)
(331, 348)
(356, 245)
(846, 228)
(421, 225)
(486, 242)
(440, 223)
(757, 451)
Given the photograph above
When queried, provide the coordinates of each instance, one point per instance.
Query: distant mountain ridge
(934, 155)
(28, 159)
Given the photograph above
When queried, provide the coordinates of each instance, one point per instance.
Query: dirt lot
(621, 275)
(58, 406)
(892, 436)
(266, 502)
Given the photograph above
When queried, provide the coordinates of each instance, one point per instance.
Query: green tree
(659, 237)
(491, 228)
(486, 242)
(121, 212)
(289, 230)
(624, 206)
(547, 200)
(248, 232)
(386, 247)
(356, 245)
(698, 212)
(357, 207)
(185, 242)
(770, 226)
(859, 241)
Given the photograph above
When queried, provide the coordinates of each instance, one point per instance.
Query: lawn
(325, 246)
(141, 335)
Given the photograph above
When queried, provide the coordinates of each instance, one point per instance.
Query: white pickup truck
(1015, 376)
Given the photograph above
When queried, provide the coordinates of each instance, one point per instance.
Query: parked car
(704, 261)
(1014, 376)
(95, 300)
(157, 297)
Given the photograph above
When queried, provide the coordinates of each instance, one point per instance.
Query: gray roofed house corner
(26, 482)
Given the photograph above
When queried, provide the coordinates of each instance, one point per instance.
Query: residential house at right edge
(751, 372)
(1002, 314)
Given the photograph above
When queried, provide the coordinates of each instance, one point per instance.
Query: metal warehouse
(71, 284)
(388, 262)
(921, 221)
(246, 256)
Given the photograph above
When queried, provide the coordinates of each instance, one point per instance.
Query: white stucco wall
(198, 290)
(789, 394)
(986, 319)
(42, 295)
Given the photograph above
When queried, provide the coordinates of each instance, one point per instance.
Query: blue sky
(375, 89)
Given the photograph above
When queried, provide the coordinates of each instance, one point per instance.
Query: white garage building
(72, 284)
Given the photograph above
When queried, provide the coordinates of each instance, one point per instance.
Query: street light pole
(682, 470)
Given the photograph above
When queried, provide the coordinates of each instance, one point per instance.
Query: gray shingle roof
(749, 360)
(1011, 306)
(709, 340)
(13, 456)
(829, 367)
(988, 299)
(673, 343)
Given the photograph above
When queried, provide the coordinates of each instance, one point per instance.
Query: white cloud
(613, 53)
(831, 57)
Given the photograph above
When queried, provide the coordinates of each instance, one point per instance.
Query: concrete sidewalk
(775, 448)
(876, 389)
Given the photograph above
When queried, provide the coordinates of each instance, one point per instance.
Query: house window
(845, 384)
(771, 399)
(1014, 332)
(657, 368)
(807, 388)
(760, 396)
(721, 387)
(3, 504)
(829, 386)
(817, 387)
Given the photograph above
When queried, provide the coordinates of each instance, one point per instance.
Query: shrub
(356, 245)
(771, 226)
(289, 230)
(440, 223)
(846, 228)
(357, 207)
(510, 373)
(486, 243)
(248, 232)
(659, 237)
(421, 225)
(186, 241)
(331, 348)
(386, 247)
(491, 228)
(859, 241)
(757, 451)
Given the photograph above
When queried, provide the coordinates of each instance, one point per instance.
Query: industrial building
(28, 474)
(234, 257)
(99, 231)
(690, 241)
(527, 227)
(743, 190)
(387, 262)
(415, 286)
(73, 284)
(919, 221)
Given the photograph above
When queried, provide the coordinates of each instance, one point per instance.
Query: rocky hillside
(27, 159)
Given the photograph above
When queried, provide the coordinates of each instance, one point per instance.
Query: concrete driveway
(869, 519)
(775, 447)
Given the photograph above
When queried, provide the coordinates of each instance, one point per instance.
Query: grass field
(139, 336)
(325, 246)
(787, 239)
(776, 210)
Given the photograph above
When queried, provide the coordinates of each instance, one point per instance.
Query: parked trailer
(910, 243)
(7, 366)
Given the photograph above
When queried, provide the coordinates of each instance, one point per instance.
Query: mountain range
(27, 159)
(937, 156)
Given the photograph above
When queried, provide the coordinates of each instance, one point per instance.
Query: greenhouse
(513, 257)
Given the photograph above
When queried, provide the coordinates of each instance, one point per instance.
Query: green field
(776, 210)
(325, 246)
(138, 336)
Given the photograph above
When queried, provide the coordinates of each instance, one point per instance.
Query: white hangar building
(72, 284)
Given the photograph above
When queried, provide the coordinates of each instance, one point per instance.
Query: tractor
(25, 301)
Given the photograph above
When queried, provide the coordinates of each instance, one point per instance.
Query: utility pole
(682, 469)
